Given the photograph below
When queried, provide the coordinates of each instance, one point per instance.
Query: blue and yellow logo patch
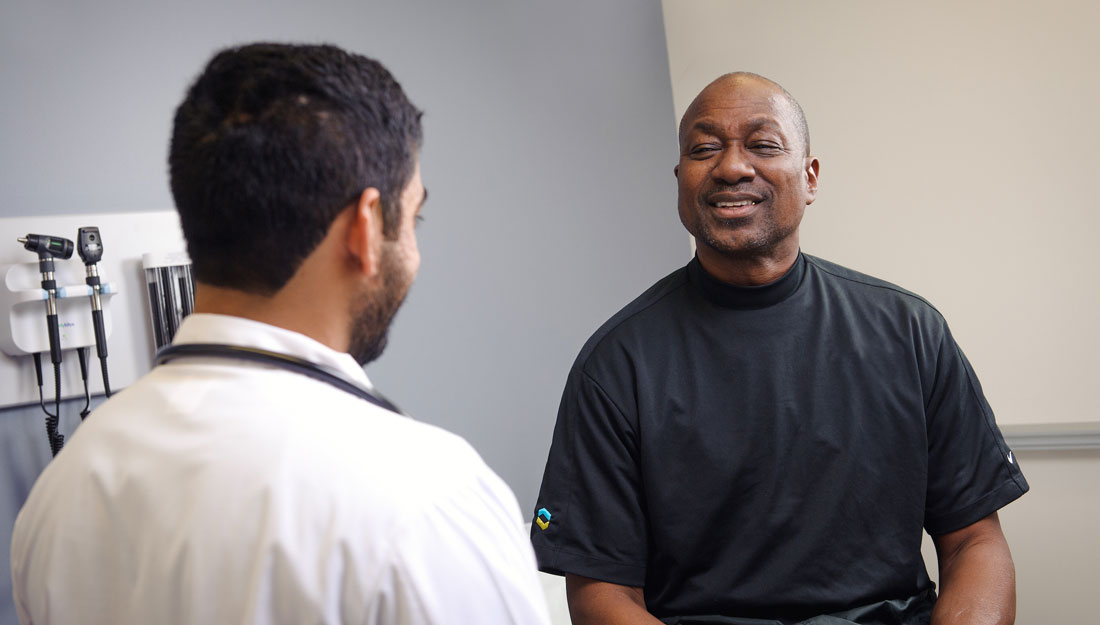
(543, 518)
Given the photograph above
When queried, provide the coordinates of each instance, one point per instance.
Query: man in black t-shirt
(762, 436)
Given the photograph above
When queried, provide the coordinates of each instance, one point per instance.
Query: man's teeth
(734, 204)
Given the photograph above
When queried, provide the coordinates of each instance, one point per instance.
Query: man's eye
(766, 148)
(703, 150)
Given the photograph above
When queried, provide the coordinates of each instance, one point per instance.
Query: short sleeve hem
(1006, 493)
(562, 562)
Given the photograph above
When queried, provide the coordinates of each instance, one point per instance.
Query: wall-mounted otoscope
(89, 244)
(50, 247)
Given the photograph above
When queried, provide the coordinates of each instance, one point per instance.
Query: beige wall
(959, 145)
(959, 149)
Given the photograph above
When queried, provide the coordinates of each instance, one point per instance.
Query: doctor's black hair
(271, 143)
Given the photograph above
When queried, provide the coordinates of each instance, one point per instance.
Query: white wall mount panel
(22, 305)
(126, 238)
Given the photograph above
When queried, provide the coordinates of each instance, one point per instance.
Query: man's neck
(313, 318)
(747, 269)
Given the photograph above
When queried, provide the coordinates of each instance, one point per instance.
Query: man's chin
(733, 244)
(372, 326)
(370, 350)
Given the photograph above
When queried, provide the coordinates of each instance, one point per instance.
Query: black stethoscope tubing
(301, 366)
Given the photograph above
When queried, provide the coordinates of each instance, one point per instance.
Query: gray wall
(548, 154)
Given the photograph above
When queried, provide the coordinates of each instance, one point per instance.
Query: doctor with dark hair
(256, 475)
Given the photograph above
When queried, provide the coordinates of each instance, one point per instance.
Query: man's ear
(364, 233)
(812, 169)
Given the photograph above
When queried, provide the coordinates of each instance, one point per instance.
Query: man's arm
(592, 602)
(977, 577)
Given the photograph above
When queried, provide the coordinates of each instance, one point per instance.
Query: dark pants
(916, 610)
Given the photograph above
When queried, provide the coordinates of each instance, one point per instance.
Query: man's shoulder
(637, 315)
(365, 475)
(863, 287)
(388, 491)
(300, 439)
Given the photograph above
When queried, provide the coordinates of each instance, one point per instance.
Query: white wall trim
(1048, 436)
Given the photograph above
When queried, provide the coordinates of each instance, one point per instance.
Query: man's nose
(734, 166)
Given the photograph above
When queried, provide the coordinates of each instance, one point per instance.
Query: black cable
(100, 339)
(38, 374)
(82, 355)
(304, 367)
(52, 420)
(50, 247)
(54, 333)
(59, 438)
(106, 382)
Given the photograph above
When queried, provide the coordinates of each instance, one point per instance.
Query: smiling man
(762, 436)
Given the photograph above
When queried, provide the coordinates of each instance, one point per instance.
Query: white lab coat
(216, 491)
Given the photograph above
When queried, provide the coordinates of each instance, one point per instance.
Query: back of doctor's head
(271, 143)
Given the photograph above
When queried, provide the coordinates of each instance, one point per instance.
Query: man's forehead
(749, 122)
(746, 108)
(737, 94)
(733, 98)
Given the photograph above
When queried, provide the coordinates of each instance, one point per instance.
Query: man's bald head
(734, 78)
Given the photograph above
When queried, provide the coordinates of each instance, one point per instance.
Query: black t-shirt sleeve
(971, 471)
(591, 490)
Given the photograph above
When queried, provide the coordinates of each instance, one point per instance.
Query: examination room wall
(548, 155)
(958, 147)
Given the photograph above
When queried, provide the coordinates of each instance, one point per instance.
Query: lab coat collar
(230, 330)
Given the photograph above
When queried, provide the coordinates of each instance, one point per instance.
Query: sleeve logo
(543, 518)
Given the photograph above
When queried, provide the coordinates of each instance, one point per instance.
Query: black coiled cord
(57, 440)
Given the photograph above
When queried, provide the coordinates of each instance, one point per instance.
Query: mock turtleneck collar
(746, 297)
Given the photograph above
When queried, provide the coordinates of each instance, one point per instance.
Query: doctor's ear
(364, 232)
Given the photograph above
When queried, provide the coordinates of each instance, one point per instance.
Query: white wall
(958, 146)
